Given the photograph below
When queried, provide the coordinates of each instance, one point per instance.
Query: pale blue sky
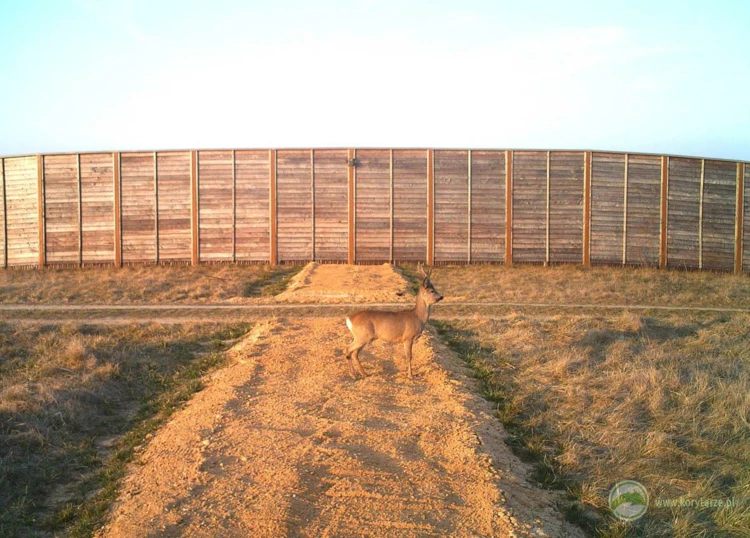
(661, 77)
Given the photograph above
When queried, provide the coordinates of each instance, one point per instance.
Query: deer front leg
(407, 351)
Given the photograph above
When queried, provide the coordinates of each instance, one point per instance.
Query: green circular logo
(628, 500)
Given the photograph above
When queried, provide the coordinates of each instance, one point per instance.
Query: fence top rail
(373, 148)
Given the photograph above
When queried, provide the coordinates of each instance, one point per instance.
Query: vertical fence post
(546, 230)
(468, 253)
(234, 207)
(739, 218)
(312, 197)
(663, 212)
(274, 254)
(351, 164)
(700, 216)
(117, 207)
(587, 158)
(508, 207)
(625, 212)
(41, 210)
(430, 207)
(156, 206)
(5, 216)
(80, 211)
(194, 209)
(390, 222)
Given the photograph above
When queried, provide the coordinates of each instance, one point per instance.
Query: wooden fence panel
(607, 207)
(253, 206)
(294, 202)
(488, 206)
(746, 222)
(21, 204)
(683, 213)
(409, 205)
(373, 206)
(719, 199)
(3, 223)
(61, 209)
(566, 206)
(451, 206)
(529, 206)
(138, 207)
(643, 209)
(331, 205)
(173, 187)
(97, 208)
(216, 207)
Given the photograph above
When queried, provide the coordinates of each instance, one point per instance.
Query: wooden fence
(374, 205)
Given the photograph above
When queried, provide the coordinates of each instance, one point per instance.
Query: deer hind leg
(352, 355)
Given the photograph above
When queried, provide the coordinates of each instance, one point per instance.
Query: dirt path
(283, 443)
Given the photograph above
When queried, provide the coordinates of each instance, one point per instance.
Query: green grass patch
(75, 402)
(272, 282)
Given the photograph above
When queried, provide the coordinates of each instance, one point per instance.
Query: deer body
(394, 327)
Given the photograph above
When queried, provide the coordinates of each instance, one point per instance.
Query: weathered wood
(450, 203)
(117, 192)
(390, 205)
(625, 213)
(274, 207)
(683, 222)
(487, 205)
(529, 202)
(294, 203)
(330, 194)
(373, 205)
(546, 219)
(663, 213)
(739, 218)
(234, 206)
(587, 209)
(216, 206)
(351, 201)
(468, 231)
(410, 205)
(5, 214)
(40, 207)
(643, 209)
(430, 207)
(719, 210)
(700, 215)
(312, 194)
(194, 209)
(508, 207)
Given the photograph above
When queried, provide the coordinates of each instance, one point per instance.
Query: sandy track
(283, 443)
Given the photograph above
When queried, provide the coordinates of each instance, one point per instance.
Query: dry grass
(599, 399)
(595, 285)
(149, 284)
(74, 402)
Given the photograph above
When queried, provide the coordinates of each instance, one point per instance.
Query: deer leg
(358, 364)
(407, 352)
(352, 355)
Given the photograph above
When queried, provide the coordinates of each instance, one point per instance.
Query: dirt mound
(331, 283)
(283, 443)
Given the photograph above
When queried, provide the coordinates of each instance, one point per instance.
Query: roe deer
(401, 326)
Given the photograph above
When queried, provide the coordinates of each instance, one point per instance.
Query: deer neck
(422, 310)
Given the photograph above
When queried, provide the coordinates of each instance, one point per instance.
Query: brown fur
(401, 326)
